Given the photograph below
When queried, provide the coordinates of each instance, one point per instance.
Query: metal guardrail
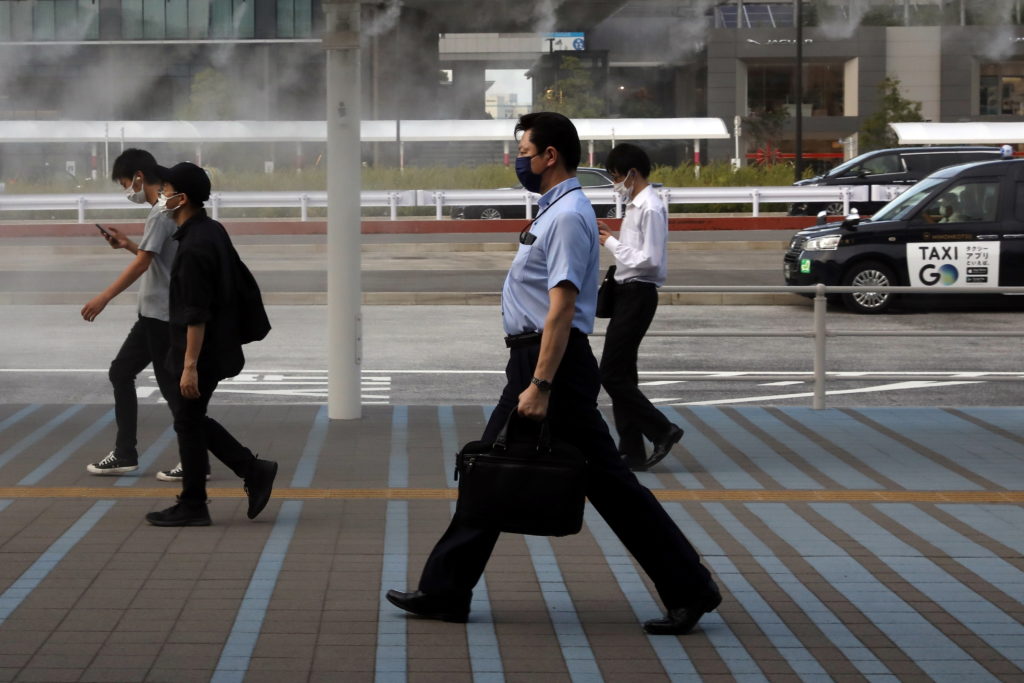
(439, 199)
(820, 333)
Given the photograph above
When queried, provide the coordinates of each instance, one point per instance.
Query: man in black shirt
(206, 347)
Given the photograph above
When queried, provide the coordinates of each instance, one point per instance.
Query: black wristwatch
(542, 384)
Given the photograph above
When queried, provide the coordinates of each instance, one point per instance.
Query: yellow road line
(704, 495)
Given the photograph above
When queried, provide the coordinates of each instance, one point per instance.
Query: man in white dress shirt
(640, 257)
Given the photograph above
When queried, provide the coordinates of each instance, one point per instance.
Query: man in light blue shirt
(548, 304)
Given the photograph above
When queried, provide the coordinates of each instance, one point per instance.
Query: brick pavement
(881, 544)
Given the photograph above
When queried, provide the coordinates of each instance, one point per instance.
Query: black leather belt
(516, 341)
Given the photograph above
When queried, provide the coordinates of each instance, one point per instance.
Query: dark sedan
(961, 227)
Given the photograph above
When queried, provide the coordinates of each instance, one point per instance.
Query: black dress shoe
(259, 484)
(182, 513)
(661, 448)
(681, 620)
(430, 606)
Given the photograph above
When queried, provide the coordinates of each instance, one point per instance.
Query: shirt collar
(645, 195)
(182, 230)
(557, 191)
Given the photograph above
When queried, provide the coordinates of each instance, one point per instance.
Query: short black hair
(130, 162)
(188, 178)
(625, 156)
(550, 129)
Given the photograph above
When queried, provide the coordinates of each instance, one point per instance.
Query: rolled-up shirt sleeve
(568, 250)
(197, 286)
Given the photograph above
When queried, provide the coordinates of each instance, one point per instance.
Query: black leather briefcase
(524, 483)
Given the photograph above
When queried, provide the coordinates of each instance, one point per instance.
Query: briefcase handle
(543, 440)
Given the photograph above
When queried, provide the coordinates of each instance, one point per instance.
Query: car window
(883, 163)
(591, 179)
(903, 205)
(920, 164)
(967, 202)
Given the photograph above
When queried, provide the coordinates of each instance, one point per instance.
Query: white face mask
(621, 189)
(161, 202)
(135, 196)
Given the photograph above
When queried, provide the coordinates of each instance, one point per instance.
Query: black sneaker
(176, 473)
(259, 484)
(182, 513)
(112, 464)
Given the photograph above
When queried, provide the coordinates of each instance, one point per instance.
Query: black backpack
(253, 323)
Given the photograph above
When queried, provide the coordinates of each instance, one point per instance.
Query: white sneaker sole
(163, 476)
(110, 470)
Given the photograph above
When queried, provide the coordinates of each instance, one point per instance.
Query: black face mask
(529, 179)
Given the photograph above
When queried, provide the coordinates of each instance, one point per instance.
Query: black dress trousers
(634, 514)
(635, 416)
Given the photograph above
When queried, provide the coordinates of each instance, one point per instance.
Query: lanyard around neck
(525, 236)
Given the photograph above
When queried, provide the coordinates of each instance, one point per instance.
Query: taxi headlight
(825, 243)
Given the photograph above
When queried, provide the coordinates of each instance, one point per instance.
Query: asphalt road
(424, 355)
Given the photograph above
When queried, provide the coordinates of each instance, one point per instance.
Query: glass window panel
(21, 21)
(65, 14)
(245, 19)
(198, 19)
(131, 19)
(153, 23)
(285, 18)
(176, 15)
(44, 21)
(88, 19)
(220, 18)
(303, 18)
(5, 20)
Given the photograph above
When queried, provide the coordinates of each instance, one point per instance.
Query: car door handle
(988, 237)
(1014, 237)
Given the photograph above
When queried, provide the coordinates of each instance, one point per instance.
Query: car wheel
(864, 275)
(610, 213)
(490, 213)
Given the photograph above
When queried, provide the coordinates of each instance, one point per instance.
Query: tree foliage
(893, 107)
(572, 92)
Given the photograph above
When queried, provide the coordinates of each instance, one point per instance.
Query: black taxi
(960, 227)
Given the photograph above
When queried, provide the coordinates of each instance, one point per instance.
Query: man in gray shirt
(147, 342)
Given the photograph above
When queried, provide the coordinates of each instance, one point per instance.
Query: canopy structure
(41, 132)
(970, 133)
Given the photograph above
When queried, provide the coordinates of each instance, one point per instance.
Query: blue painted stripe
(933, 651)
(148, 457)
(304, 471)
(392, 652)
(579, 658)
(1001, 523)
(727, 472)
(990, 623)
(729, 647)
(58, 458)
(34, 575)
(977, 558)
(886, 456)
(18, 416)
(4, 503)
(976, 449)
(449, 442)
(670, 651)
(813, 454)
(398, 463)
(38, 434)
(788, 475)
(237, 653)
(827, 621)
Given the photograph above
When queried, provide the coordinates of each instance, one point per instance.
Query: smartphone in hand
(102, 231)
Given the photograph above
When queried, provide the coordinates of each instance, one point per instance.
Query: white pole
(344, 285)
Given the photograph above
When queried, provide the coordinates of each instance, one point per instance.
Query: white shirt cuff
(611, 243)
